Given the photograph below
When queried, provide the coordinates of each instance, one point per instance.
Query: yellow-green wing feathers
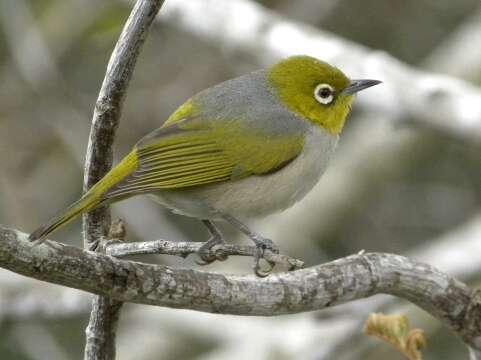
(182, 154)
(190, 152)
(192, 149)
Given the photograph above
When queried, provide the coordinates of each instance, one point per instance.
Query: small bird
(245, 148)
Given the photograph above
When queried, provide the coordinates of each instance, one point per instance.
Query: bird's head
(315, 90)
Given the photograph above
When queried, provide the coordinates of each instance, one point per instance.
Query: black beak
(358, 85)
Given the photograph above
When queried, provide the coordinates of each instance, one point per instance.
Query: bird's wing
(191, 152)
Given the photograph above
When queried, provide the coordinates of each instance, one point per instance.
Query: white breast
(258, 196)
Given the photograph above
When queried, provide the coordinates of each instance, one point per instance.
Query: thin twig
(100, 332)
(183, 249)
(109, 104)
(347, 279)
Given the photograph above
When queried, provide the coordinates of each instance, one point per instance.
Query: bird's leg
(205, 255)
(262, 244)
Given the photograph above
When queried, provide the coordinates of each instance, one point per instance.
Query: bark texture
(100, 332)
(347, 279)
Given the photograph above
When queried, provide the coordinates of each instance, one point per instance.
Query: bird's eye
(324, 93)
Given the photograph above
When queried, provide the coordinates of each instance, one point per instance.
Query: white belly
(257, 196)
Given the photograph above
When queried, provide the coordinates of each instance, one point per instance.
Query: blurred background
(394, 185)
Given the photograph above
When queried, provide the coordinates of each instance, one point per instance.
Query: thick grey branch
(343, 280)
(183, 249)
(459, 261)
(105, 311)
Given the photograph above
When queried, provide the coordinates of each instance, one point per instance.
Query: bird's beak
(358, 85)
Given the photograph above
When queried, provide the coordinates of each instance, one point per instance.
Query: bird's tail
(88, 202)
(95, 197)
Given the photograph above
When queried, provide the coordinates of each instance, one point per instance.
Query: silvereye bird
(245, 148)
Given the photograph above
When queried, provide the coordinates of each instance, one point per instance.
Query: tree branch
(183, 249)
(459, 261)
(100, 332)
(343, 280)
(109, 105)
(24, 298)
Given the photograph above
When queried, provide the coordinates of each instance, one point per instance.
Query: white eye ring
(324, 93)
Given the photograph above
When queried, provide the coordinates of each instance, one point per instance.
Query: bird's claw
(259, 271)
(204, 260)
(262, 245)
(210, 252)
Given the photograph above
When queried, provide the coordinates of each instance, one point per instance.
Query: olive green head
(317, 91)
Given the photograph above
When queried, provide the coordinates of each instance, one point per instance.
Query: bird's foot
(263, 245)
(212, 250)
